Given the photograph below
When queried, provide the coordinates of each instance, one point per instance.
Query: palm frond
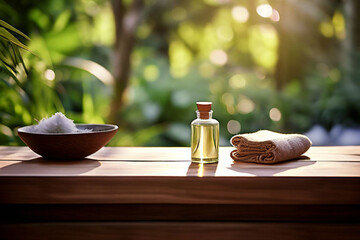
(11, 38)
(8, 26)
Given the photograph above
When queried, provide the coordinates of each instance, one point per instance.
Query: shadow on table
(201, 170)
(40, 166)
(270, 169)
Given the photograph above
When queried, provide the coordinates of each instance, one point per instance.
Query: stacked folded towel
(268, 147)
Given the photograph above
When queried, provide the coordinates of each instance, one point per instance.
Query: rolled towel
(268, 147)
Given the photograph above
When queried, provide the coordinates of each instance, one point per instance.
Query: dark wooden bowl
(68, 145)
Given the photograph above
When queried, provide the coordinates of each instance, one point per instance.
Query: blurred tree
(352, 41)
(127, 19)
(351, 60)
(265, 64)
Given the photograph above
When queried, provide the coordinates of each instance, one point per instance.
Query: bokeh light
(275, 114)
(180, 59)
(49, 74)
(151, 73)
(178, 13)
(233, 126)
(225, 33)
(206, 70)
(218, 57)
(263, 45)
(228, 100)
(6, 130)
(275, 16)
(242, 55)
(245, 105)
(326, 29)
(240, 14)
(264, 10)
(339, 25)
(237, 81)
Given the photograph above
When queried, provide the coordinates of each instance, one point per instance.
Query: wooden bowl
(68, 145)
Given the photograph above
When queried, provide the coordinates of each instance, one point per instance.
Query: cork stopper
(204, 109)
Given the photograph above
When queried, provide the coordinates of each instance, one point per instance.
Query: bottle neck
(204, 115)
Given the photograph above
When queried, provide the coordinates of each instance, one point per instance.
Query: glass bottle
(204, 135)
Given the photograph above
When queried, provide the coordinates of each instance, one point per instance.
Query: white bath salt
(58, 123)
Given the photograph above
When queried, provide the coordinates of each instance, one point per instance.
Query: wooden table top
(329, 175)
(156, 161)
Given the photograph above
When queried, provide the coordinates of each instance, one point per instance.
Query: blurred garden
(282, 65)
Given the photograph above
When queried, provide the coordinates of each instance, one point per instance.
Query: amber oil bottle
(204, 135)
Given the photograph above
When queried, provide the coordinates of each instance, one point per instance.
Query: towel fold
(268, 147)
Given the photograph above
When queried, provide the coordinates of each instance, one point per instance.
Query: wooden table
(156, 193)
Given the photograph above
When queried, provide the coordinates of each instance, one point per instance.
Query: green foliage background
(172, 69)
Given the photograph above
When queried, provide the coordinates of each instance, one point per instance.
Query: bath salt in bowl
(54, 140)
(57, 123)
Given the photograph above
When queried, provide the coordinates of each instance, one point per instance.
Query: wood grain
(157, 193)
(180, 230)
(323, 162)
(180, 190)
(164, 178)
(44, 168)
(27, 213)
(338, 153)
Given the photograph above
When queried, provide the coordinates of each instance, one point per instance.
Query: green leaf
(10, 73)
(12, 55)
(19, 57)
(5, 60)
(8, 26)
(62, 21)
(8, 36)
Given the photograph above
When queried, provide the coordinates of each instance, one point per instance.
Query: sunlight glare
(93, 68)
(200, 170)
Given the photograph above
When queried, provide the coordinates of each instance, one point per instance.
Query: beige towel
(268, 147)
